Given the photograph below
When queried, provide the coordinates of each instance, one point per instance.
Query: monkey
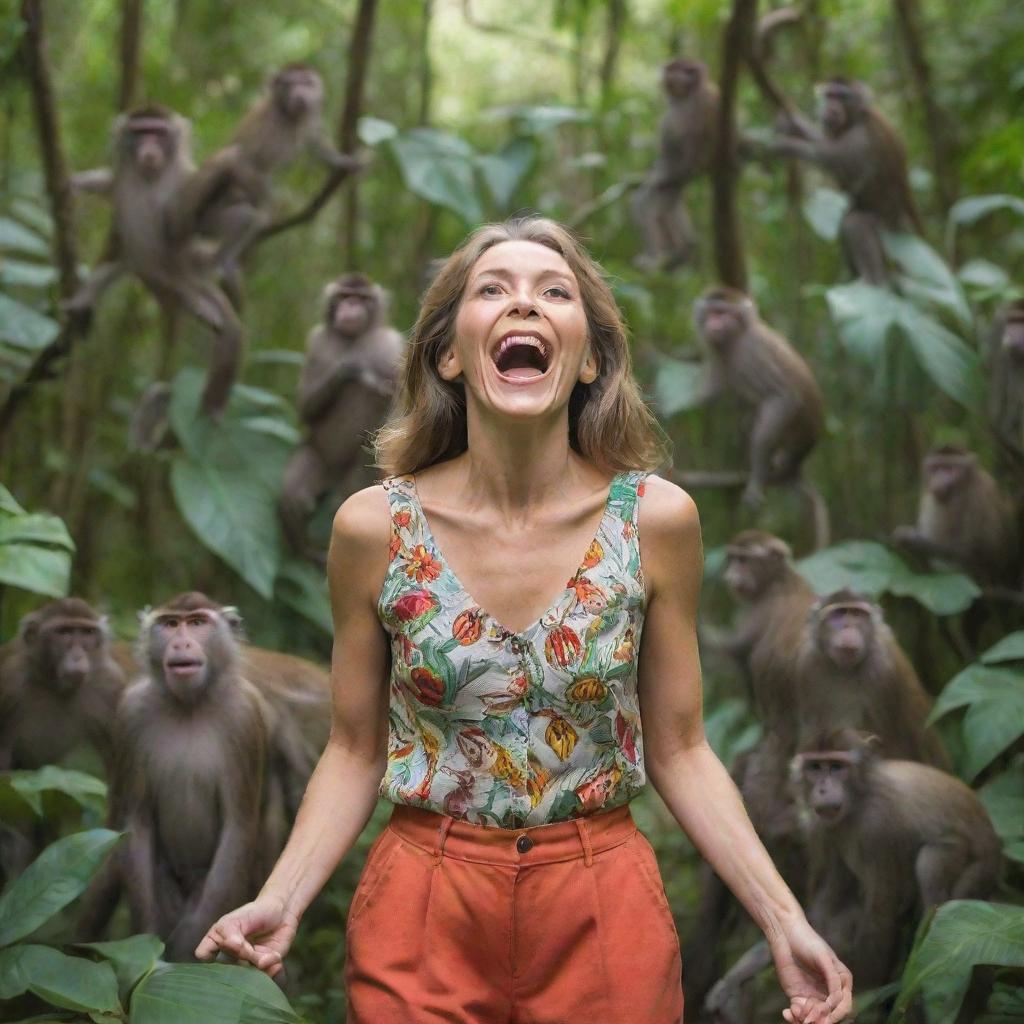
(686, 146)
(345, 390)
(852, 673)
(228, 197)
(890, 839)
(190, 782)
(1006, 383)
(857, 145)
(152, 164)
(59, 687)
(758, 365)
(964, 518)
(775, 601)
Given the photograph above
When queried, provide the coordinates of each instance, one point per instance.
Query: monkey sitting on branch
(856, 144)
(152, 238)
(686, 145)
(748, 359)
(345, 391)
(227, 199)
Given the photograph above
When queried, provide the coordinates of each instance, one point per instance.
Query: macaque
(890, 839)
(229, 196)
(58, 691)
(59, 686)
(152, 238)
(964, 519)
(191, 781)
(852, 673)
(759, 366)
(1006, 382)
(857, 146)
(686, 147)
(345, 391)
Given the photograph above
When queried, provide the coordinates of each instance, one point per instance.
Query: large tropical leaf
(209, 994)
(505, 170)
(677, 385)
(73, 983)
(441, 168)
(131, 958)
(1010, 648)
(1004, 800)
(823, 210)
(994, 698)
(24, 328)
(304, 589)
(29, 787)
(35, 549)
(873, 569)
(56, 877)
(926, 274)
(960, 935)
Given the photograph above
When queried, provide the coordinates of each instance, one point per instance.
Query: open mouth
(521, 356)
(184, 666)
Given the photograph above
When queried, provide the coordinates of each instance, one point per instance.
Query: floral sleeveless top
(514, 729)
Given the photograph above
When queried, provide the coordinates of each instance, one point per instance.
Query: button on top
(524, 844)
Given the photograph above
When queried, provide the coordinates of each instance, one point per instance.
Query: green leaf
(304, 589)
(983, 274)
(23, 327)
(39, 570)
(930, 276)
(439, 167)
(1010, 648)
(35, 528)
(18, 237)
(677, 385)
(131, 958)
(1003, 798)
(942, 593)
(17, 273)
(995, 717)
(209, 994)
(86, 790)
(961, 933)
(823, 210)
(67, 981)
(973, 208)
(56, 877)
(9, 504)
(373, 131)
(864, 314)
(505, 170)
(540, 120)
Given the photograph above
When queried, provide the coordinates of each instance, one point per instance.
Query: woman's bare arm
(342, 790)
(689, 776)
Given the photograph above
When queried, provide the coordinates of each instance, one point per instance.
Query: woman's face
(520, 341)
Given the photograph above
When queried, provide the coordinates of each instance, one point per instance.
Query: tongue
(522, 372)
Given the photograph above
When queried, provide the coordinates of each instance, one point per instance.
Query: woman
(511, 883)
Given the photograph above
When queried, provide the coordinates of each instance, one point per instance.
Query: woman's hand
(260, 933)
(818, 984)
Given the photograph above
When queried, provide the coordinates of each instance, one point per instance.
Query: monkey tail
(819, 514)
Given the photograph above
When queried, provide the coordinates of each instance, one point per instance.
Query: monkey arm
(100, 181)
(323, 149)
(321, 380)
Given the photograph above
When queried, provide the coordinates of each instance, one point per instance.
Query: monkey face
(298, 92)
(838, 108)
(720, 323)
(352, 314)
(180, 648)
(946, 477)
(747, 573)
(845, 634)
(151, 150)
(520, 340)
(680, 78)
(826, 781)
(67, 648)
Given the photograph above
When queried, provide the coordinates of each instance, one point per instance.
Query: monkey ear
(29, 628)
(233, 617)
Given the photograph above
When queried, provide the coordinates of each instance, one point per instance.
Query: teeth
(521, 339)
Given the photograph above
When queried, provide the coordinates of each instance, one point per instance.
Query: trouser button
(524, 844)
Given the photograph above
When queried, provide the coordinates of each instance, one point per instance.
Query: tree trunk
(131, 34)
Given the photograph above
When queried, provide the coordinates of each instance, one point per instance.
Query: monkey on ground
(889, 839)
(686, 146)
(757, 364)
(345, 391)
(1006, 382)
(852, 673)
(964, 519)
(228, 197)
(152, 237)
(863, 152)
(774, 602)
(191, 784)
(59, 688)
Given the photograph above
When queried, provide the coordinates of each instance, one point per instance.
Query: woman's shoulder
(667, 513)
(363, 517)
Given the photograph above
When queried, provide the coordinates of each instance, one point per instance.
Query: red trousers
(556, 924)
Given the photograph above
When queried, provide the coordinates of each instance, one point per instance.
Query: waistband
(444, 836)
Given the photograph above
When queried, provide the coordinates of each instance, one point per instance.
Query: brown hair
(609, 423)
